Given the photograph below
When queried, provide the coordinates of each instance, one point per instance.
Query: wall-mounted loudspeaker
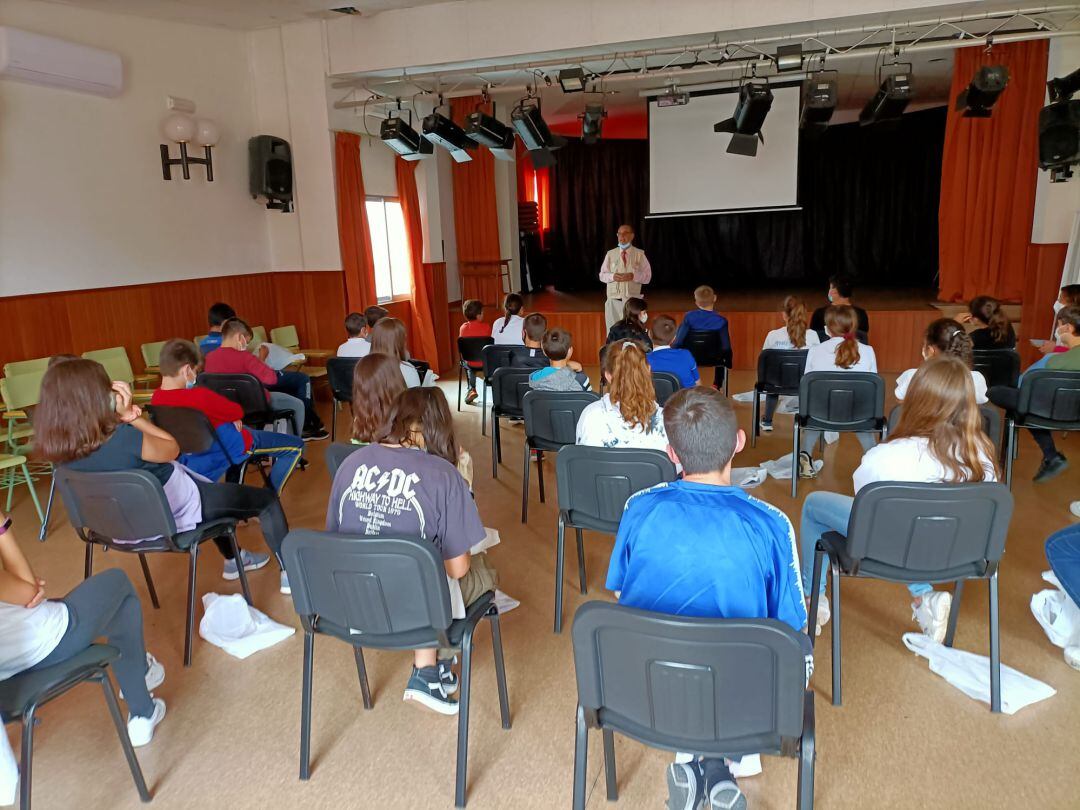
(271, 176)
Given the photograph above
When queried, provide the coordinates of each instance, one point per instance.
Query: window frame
(395, 295)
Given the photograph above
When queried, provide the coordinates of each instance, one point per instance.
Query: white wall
(1056, 204)
(82, 200)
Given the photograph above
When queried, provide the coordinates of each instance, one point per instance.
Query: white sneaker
(750, 765)
(285, 587)
(155, 674)
(932, 614)
(824, 613)
(1072, 657)
(141, 729)
(765, 427)
(1074, 507)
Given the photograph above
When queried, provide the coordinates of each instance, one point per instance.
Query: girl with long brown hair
(939, 439)
(390, 337)
(628, 415)
(946, 336)
(794, 334)
(632, 325)
(993, 329)
(421, 418)
(377, 383)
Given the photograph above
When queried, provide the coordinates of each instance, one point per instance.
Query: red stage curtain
(357, 264)
(534, 185)
(988, 176)
(423, 316)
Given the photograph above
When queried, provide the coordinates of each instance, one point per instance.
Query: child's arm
(574, 364)
(18, 585)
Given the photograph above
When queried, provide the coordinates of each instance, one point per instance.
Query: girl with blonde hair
(628, 415)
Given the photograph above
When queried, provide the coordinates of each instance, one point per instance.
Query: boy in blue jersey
(702, 547)
(664, 358)
(705, 319)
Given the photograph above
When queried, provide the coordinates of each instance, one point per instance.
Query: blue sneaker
(426, 688)
(252, 562)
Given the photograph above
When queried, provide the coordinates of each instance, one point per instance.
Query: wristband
(5, 526)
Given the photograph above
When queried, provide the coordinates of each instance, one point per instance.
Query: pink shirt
(233, 361)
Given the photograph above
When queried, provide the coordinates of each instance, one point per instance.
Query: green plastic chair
(21, 392)
(118, 367)
(288, 337)
(26, 366)
(285, 336)
(259, 334)
(151, 354)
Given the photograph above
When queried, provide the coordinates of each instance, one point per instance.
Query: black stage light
(889, 101)
(443, 132)
(572, 80)
(1059, 139)
(818, 103)
(986, 85)
(488, 131)
(530, 125)
(755, 101)
(403, 139)
(592, 120)
(788, 58)
(1063, 88)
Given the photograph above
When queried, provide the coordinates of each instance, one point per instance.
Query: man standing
(624, 270)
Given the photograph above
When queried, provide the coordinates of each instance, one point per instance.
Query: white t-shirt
(511, 335)
(354, 347)
(779, 339)
(823, 357)
(601, 424)
(28, 635)
(905, 460)
(904, 380)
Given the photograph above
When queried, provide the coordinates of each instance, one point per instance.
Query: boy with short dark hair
(664, 358)
(356, 345)
(531, 355)
(216, 317)
(474, 327)
(558, 346)
(673, 555)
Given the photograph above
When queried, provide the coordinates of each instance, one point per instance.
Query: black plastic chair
(246, 391)
(115, 509)
(778, 373)
(385, 594)
(195, 434)
(470, 350)
(339, 375)
(494, 357)
(707, 346)
(840, 401)
(551, 419)
(998, 366)
(991, 422)
(594, 485)
(665, 384)
(904, 532)
(336, 453)
(508, 388)
(21, 695)
(1049, 399)
(713, 687)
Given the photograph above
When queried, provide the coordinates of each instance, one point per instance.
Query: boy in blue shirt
(664, 358)
(673, 555)
(560, 374)
(705, 319)
(216, 317)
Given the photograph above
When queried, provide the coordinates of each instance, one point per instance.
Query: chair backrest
(842, 400)
(258, 335)
(551, 417)
(595, 482)
(243, 389)
(508, 388)
(151, 353)
(712, 686)
(991, 421)
(116, 362)
(336, 453)
(339, 373)
(119, 506)
(190, 427)
(998, 366)
(471, 349)
(285, 336)
(1051, 396)
(780, 370)
(493, 357)
(665, 384)
(26, 366)
(707, 347)
(377, 588)
(22, 390)
(929, 529)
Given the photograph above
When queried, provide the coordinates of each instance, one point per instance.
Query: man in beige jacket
(624, 270)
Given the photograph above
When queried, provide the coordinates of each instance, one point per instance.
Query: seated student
(939, 439)
(438, 508)
(507, 329)
(632, 325)
(89, 423)
(216, 317)
(531, 353)
(794, 334)
(559, 376)
(388, 336)
(627, 415)
(664, 358)
(474, 326)
(286, 390)
(705, 319)
(357, 344)
(1068, 333)
(992, 328)
(841, 352)
(179, 366)
(840, 290)
(945, 336)
(702, 547)
(36, 632)
(377, 383)
(1068, 296)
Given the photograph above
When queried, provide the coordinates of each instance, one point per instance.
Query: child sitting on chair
(559, 376)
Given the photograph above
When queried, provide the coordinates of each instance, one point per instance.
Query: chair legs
(305, 705)
(460, 371)
(807, 755)
(995, 648)
(27, 758)
(527, 453)
(795, 458)
(483, 410)
(48, 508)
(193, 569)
(582, 579)
(240, 568)
(361, 673)
(125, 741)
(836, 613)
(815, 594)
(755, 419)
(464, 697)
(149, 581)
(334, 413)
(609, 765)
(500, 667)
(495, 450)
(540, 472)
(560, 554)
(1010, 451)
(954, 612)
(581, 759)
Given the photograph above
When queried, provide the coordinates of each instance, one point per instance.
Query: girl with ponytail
(508, 330)
(992, 327)
(794, 334)
(628, 415)
(946, 337)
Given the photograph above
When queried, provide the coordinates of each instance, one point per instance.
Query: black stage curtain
(869, 199)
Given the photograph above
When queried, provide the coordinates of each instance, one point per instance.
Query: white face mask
(644, 317)
(1058, 306)
(1059, 335)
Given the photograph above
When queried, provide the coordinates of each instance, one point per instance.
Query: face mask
(1059, 335)
(191, 383)
(830, 297)
(1058, 306)
(623, 245)
(644, 317)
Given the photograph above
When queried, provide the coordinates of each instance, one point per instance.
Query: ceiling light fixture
(755, 101)
(819, 98)
(890, 100)
(402, 138)
(442, 131)
(572, 80)
(489, 131)
(592, 121)
(986, 85)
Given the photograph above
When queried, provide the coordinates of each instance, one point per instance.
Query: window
(389, 248)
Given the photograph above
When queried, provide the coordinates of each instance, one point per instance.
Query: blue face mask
(190, 383)
(623, 245)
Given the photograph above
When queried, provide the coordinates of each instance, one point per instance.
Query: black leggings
(1008, 398)
(225, 500)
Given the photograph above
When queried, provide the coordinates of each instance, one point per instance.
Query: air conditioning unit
(53, 62)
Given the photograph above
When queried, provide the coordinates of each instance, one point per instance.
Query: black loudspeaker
(1059, 137)
(270, 165)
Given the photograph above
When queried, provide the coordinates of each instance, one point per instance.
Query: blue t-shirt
(214, 463)
(692, 549)
(209, 343)
(678, 361)
(703, 320)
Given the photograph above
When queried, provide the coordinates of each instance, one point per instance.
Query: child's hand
(125, 408)
(39, 597)
(963, 317)
(573, 364)
(1047, 347)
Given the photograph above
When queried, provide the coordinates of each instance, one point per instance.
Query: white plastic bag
(1057, 613)
(970, 673)
(232, 624)
(748, 477)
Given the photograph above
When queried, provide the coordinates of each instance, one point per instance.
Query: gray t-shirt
(402, 492)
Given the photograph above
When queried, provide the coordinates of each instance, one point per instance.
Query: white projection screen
(690, 171)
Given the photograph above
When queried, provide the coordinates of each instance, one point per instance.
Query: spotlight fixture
(1059, 128)
(789, 58)
(403, 139)
(818, 102)
(443, 132)
(889, 101)
(592, 120)
(755, 101)
(530, 125)
(489, 131)
(672, 97)
(986, 85)
(572, 80)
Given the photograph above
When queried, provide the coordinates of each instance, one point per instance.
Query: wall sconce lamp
(183, 129)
